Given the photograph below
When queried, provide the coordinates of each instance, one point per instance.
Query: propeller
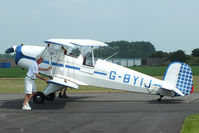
(10, 50)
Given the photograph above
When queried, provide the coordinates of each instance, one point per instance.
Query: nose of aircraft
(17, 50)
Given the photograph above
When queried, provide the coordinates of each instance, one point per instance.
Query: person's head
(39, 60)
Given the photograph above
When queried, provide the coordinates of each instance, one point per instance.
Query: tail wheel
(160, 99)
(39, 98)
(50, 97)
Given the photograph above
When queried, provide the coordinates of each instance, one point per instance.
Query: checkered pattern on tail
(185, 80)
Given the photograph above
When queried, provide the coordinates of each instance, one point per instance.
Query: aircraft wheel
(50, 97)
(39, 98)
(159, 99)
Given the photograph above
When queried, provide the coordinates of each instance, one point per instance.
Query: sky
(169, 25)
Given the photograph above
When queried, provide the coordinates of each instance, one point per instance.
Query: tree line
(125, 49)
(179, 55)
(141, 49)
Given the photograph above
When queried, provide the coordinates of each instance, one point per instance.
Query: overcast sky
(168, 24)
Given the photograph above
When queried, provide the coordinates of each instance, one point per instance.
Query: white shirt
(33, 69)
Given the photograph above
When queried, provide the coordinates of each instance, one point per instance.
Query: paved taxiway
(97, 113)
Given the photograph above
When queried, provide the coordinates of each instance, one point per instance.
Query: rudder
(179, 75)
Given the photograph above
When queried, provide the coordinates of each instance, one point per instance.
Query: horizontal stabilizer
(178, 92)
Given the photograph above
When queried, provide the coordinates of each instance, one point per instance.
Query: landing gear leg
(159, 99)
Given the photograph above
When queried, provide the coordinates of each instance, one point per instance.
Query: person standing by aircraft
(62, 93)
(30, 87)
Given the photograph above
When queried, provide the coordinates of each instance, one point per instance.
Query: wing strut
(50, 59)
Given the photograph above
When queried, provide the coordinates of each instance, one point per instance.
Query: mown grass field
(14, 72)
(191, 124)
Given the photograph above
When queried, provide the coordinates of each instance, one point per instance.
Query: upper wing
(76, 42)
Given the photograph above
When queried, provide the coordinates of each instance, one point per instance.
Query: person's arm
(45, 69)
(65, 51)
(39, 76)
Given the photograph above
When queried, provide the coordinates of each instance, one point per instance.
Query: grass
(195, 70)
(151, 70)
(191, 124)
(196, 83)
(14, 72)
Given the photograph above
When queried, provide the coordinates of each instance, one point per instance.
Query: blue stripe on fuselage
(72, 67)
(100, 73)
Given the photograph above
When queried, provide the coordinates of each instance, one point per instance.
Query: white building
(127, 62)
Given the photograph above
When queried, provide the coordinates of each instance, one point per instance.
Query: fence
(7, 62)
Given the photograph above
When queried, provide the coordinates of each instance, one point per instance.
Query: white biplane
(71, 71)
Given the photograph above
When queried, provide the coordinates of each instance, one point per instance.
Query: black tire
(159, 99)
(39, 98)
(50, 97)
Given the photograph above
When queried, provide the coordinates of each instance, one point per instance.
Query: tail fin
(179, 75)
